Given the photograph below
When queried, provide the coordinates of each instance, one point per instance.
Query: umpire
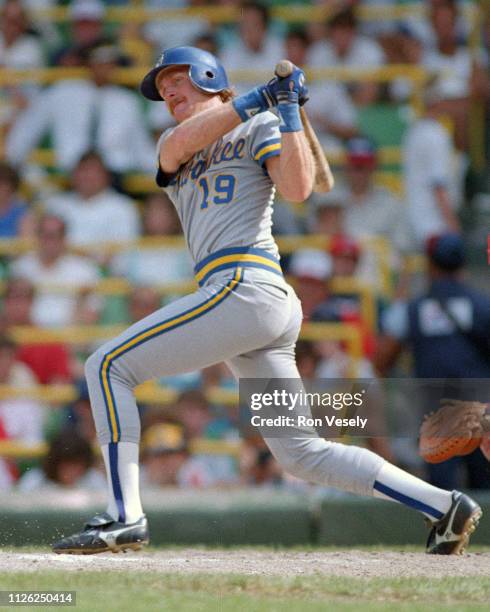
(447, 329)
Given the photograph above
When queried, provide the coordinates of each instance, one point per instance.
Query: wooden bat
(323, 180)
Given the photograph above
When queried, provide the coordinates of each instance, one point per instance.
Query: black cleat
(450, 534)
(103, 534)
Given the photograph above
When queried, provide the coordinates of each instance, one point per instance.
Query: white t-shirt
(237, 56)
(81, 116)
(51, 308)
(166, 33)
(330, 101)
(380, 213)
(153, 266)
(427, 163)
(364, 53)
(22, 419)
(454, 72)
(26, 52)
(108, 216)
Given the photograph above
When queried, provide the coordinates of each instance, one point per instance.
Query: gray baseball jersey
(223, 194)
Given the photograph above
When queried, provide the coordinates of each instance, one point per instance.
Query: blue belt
(245, 257)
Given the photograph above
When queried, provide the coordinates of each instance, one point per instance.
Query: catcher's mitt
(455, 429)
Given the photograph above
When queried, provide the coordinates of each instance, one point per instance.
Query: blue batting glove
(288, 108)
(253, 102)
(295, 82)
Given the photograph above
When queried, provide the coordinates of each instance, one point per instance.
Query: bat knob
(283, 68)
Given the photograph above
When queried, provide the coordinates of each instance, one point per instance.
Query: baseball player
(220, 166)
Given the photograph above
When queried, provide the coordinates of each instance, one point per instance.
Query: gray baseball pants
(249, 318)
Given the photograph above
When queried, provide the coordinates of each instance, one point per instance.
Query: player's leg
(198, 330)
(352, 468)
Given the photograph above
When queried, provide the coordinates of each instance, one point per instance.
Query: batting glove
(295, 82)
(288, 109)
(253, 102)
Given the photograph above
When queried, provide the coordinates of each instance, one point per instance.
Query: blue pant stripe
(408, 501)
(116, 484)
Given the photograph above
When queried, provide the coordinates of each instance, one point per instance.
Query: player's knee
(93, 366)
(301, 458)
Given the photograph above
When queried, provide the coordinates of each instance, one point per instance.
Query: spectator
(447, 326)
(93, 211)
(346, 254)
(143, 302)
(256, 47)
(165, 453)
(166, 33)
(371, 210)
(312, 270)
(407, 48)
(448, 331)
(347, 48)
(80, 414)
(105, 117)
(20, 48)
(199, 422)
(68, 465)
(21, 419)
(16, 221)
(49, 361)
(327, 212)
(460, 76)
(431, 191)
(154, 263)
(62, 280)
(261, 469)
(86, 28)
(307, 359)
(330, 109)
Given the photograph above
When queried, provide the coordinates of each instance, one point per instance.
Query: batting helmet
(205, 70)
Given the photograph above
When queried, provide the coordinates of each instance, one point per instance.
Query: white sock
(122, 468)
(397, 485)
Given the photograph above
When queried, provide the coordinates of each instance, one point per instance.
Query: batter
(220, 166)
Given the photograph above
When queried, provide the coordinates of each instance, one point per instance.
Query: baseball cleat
(104, 534)
(451, 534)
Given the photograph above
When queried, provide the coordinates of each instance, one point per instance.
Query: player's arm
(204, 128)
(196, 133)
(443, 202)
(395, 333)
(293, 170)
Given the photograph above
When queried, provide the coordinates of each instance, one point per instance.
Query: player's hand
(289, 90)
(293, 83)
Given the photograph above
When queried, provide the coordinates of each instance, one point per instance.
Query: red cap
(342, 245)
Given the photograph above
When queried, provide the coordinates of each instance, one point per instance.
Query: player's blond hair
(226, 94)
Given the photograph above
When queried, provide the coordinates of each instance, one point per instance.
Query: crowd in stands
(406, 183)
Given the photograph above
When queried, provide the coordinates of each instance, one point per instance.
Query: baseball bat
(323, 179)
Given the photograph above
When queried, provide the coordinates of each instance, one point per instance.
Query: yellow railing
(87, 334)
(387, 156)
(287, 245)
(16, 450)
(132, 76)
(226, 14)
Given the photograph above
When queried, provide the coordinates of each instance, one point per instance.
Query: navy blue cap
(446, 251)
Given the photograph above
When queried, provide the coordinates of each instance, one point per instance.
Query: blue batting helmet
(205, 70)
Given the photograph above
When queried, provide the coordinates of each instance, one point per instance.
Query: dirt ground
(251, 562)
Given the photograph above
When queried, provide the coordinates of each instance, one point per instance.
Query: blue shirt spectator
(15, 217)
